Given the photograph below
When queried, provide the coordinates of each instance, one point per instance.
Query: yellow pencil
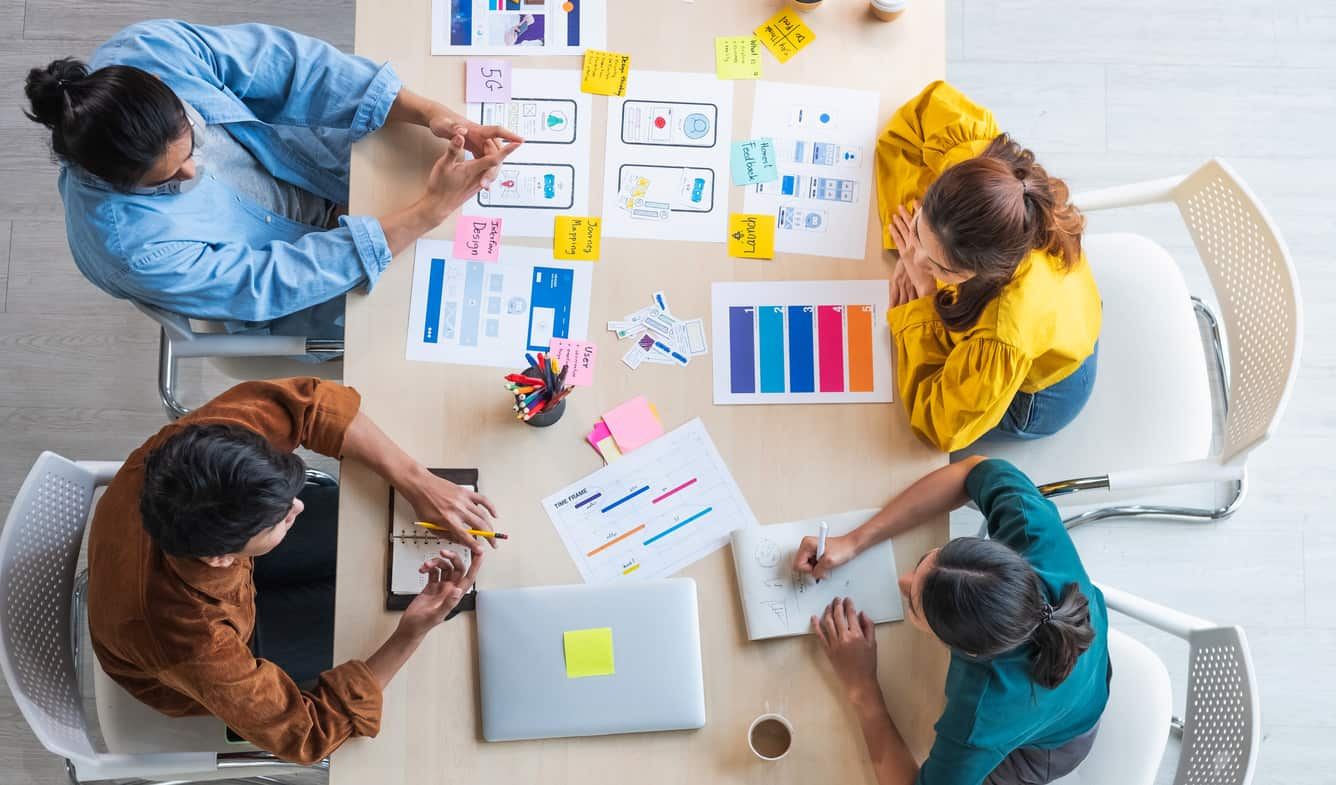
(474, 532)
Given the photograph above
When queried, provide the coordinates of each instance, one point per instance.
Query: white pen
(821, 543)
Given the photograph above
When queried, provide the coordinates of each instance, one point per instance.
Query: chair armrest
(102, 471)
(224, 345)
(1149, 192)
(1188, 473)
(1171, 621)
(152, 766)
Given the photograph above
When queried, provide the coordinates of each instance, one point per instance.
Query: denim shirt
(205, 250)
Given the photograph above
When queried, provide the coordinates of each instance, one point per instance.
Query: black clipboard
(397, 602)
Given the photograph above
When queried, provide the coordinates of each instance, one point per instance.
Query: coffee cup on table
(770, 736)
(805, 5)
(888, 10)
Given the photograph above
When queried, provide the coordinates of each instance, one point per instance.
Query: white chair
(41, 622)
(1221, 730)
(241, 357)
(1149, 423)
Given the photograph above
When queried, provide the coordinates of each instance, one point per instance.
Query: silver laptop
(526, 693)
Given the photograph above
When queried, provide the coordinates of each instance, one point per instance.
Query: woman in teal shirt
(1027, 630)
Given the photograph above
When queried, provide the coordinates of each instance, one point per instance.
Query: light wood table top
(791, 462)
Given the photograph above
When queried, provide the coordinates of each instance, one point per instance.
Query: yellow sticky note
(784, 35)
(604, 73)
(608, 449)
(588, 652)
(738, 57)
(751, 236)
(577, 237)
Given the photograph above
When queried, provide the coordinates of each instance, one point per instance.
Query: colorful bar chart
(801, 342)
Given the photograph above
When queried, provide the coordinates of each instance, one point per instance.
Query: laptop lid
(527, 692)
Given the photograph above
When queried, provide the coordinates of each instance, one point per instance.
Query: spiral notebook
(410, 545)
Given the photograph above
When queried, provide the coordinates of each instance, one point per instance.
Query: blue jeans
(1044, 413)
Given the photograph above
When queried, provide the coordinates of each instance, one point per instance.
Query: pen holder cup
(547, 416)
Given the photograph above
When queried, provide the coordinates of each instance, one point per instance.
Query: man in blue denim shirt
(205, 171)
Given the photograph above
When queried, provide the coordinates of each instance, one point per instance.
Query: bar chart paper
(652, 512)
(801, 342)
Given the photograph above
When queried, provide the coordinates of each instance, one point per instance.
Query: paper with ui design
(823, 147)
(666, 170)
(652, 512)
(776, 601)
(491, 313)
(518, 27)
(802, 342)
(549, 174)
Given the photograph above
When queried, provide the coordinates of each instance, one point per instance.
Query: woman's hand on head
(918, 276)
(850, 642)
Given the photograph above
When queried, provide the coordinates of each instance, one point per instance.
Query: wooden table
(791, 462)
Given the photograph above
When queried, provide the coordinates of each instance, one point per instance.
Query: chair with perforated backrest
(1220, 731)
(41, 612)
(242, 357)
(1165, 358)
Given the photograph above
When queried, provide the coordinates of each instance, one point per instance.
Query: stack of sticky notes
(659, 336)
(625, 428)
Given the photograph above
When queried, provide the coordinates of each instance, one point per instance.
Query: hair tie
(1025, 187)
(1046, 614)
(61, 83)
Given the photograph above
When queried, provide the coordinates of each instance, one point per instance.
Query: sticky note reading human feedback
(604, 73)
(577, 237)
(487, 81)
(738, 57)
(753, 161)
(751, 236)
(477, 238)
(578, 357)
(589, 653)
(784, 35)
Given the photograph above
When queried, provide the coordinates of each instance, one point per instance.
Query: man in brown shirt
(172, 591)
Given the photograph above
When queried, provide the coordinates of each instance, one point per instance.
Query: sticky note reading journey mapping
(738, 57)
(579, 357)
(589, 653)
(487, 81)
(477, 239)
(753, 161)
(604, 73)
(577, 237)
(751, 236)
(784, 35)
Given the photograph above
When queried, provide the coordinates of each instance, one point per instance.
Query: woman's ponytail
(1062, 635)
(48, 89)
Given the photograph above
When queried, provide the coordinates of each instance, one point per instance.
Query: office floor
(1105, 92)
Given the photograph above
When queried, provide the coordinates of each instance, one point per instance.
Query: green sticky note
(589, 653)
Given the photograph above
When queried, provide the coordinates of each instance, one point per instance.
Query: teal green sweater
(992, 706)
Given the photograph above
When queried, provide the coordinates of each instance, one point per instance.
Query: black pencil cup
(547, 416)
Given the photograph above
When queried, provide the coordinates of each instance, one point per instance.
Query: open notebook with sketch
(778, 602)
(411, 545)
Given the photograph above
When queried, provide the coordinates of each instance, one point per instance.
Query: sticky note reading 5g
(577, 237)
(487, 81)
(589, 653)
(751, 236)
(784, 35)
(604, 73)
(738, 57)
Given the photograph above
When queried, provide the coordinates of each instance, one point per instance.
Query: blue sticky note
(753, 161)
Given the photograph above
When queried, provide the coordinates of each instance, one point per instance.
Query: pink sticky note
(487, 81)
(597, 435)
(579, 357)
(633, 424)
(477, 239)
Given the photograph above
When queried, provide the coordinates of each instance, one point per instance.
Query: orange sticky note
(784, 34)
(751, 236)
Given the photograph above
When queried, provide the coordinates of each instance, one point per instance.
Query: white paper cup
(767, 741)
(888, 10)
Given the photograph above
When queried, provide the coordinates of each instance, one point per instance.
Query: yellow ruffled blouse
(1044, 324)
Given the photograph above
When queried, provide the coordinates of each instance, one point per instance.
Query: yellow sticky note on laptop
(751, 236)
(577, 237)
(784, 35)
(604, 73)
(589, 652)
(738, 57)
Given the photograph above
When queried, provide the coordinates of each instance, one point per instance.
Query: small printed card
(738, 57)
(753, 161)
(477, 238)
(751, 236)
(785, 35)
(577, 238)
(487, 81)
(604, 73)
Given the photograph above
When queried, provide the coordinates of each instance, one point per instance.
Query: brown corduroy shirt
(175, 632)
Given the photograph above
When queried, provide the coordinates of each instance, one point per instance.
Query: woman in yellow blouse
(994, 310)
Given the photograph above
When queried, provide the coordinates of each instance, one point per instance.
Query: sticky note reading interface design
(738, 57)
(751, 236)
(589, 653)
(477, 238)
(577, 237)
(604, 73)
(784, 35)
(753, 161)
